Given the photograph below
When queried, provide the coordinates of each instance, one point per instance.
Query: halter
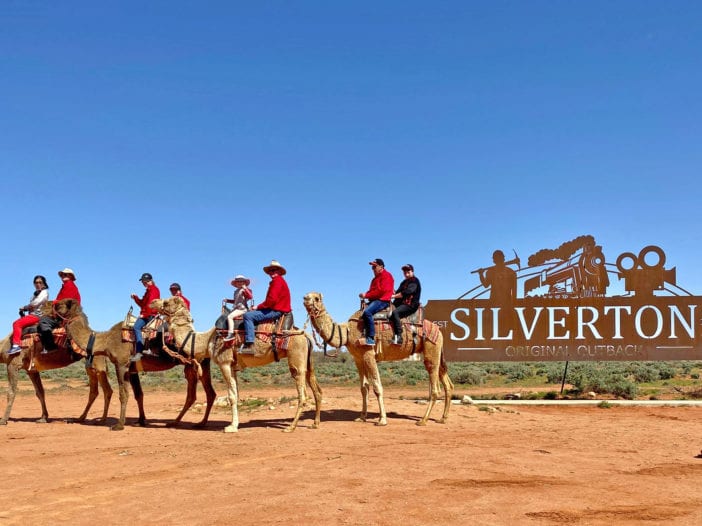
(314, 313)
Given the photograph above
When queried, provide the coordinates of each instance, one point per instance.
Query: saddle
(284, 323)
(151, 330)
(416, 318)
(30, 336)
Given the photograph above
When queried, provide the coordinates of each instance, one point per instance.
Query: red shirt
(278, 296)
(381, 287)
(68, 291)
(152, 293)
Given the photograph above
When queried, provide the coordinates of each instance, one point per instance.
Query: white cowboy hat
(67, 271)
(241, 277)
(274, 265)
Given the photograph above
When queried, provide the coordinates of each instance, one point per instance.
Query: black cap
(377, 261)
(146, 277)
(408, 267)
(174, 286)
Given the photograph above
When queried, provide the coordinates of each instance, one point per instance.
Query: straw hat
(67, 272)
(241, 278)
(274, 265)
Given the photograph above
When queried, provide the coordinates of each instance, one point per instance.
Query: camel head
(313, 304)
(157, 305)
(68, 309)
(170, 307)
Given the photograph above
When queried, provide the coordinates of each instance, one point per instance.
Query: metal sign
(557, 309)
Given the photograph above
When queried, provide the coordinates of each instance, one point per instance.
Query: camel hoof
(360, 419)
(289, 429)
(141, 423)
(117, 427)
(3, 422)
(42, 420)
(442, 421)
(422, 423)
(231, 429)
(381, 423)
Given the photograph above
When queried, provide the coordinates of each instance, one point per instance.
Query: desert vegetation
(532, 380)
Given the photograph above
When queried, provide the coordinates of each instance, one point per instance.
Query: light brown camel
(44, 362)
(108, 345)
(298, 352)
(366, 357)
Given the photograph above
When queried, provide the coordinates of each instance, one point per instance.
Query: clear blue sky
(199, 140)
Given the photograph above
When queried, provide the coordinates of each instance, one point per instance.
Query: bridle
(313, 313)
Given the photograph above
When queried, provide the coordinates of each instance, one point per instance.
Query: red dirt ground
(513, 465)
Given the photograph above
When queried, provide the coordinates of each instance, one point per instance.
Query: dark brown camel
(109, 346)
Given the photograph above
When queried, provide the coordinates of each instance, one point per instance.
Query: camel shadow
(215, 425)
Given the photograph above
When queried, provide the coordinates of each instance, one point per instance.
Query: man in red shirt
(49, 323)
(381, 289)
(147, 313)
(276, 304)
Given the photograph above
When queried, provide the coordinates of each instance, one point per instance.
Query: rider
(30, 313)
(146, 315)
(406, 301)
(49, 323)
(276, 304)
(176, 291)
(242, 295)
(379, 294)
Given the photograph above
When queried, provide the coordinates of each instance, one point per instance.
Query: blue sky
(196, 141)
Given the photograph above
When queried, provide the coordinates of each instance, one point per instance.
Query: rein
(326, 341)
(181, 354)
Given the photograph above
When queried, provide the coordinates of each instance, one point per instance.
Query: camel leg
(138, 396)
(300, 384)
(12, 375)
(210, 393)
(433, 371)
(232, 395)
(92, 393)
(448, 389)
(190, 373)
(122, 372)
(317, 393)
(371, 367)
(363, 377)
(35, 377)
(106, 394)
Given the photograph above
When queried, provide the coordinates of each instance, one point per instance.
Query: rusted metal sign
(556, 309)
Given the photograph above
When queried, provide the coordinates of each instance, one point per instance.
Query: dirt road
(516, 465)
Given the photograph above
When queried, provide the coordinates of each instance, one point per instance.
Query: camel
(108, 345)
(33, 365)
(366, 357)
(298, 353)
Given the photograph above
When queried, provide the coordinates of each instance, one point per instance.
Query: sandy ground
(517, 465)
